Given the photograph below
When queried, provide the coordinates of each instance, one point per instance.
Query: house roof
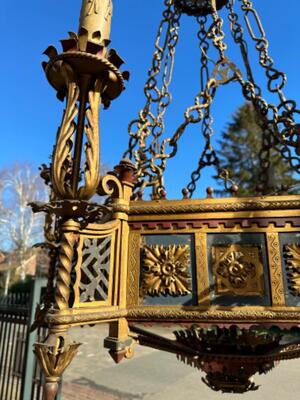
(33, 257)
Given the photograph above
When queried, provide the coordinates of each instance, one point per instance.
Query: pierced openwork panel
(95, 269)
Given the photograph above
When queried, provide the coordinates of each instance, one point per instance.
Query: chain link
(208, 156)
(237, 32)
(280, 131)
(200, 111)
(150, 123)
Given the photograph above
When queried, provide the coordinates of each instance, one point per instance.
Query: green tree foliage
(239, 150)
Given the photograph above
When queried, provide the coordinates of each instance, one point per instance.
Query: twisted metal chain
(280, 129)
(204, 47)
(223, 73)
(272, 122)
(276, 79)
(208, 156)
(146, 145)
(150, 123)
(216, 33)
(237, 32)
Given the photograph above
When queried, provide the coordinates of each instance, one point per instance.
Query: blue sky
(31, 113)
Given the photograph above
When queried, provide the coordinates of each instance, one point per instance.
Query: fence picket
(20, 377)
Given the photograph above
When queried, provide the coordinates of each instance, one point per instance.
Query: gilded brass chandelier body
(227, 268)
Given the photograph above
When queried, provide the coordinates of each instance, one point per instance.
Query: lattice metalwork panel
(95, 269)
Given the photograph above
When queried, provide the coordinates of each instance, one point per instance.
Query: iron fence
(20, 375)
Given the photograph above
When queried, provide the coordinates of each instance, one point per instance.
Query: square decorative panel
(167, 270)
(238, 270)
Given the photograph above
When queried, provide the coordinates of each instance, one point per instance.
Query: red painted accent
(279, 222)
(151, 225)
(117, 356)
(166, 225)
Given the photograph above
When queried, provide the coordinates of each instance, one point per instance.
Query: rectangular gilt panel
(275, 269)
(133, 269)
(202, 269)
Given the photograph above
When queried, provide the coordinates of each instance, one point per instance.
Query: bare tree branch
(19, 227)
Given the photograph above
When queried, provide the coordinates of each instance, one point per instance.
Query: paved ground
(154, 375)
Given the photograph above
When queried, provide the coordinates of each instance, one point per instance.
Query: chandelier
(227, 268)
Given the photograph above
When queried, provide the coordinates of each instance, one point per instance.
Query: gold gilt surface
(166, 270)
(293, 267)
(110, 229)
(275, 268)
(202, 269)
(238, 270)
(133, 269)
(217, 209)
(229, 207)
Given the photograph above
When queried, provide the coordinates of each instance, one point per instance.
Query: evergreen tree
(239, 150)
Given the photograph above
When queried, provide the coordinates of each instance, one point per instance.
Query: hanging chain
(216, 33)
(208, 156)
(146, 145)
(281, 131)
(276, 79)
(237, 32)
(150, 123)
(224, 72)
